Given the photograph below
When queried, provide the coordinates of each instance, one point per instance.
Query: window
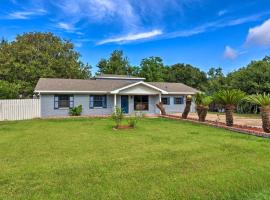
(178, 100)
(165, 100)
(140, 102)
(63, 101)
(98, 101)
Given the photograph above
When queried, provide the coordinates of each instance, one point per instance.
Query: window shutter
(104, 101)
(168, 100)
(56, 100)
(91, 102)
(174, 100)
(71, 101)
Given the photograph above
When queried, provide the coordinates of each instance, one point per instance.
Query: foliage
(152, 69)
(118, 115)
(34, 55)
(9, 90)
(207, 100)
(132, 121)
(199, 97)
(229, 96)
(216, 81)
(255, 78)
(76, 111)
(259, 99)
(116, 64)
(187, 74)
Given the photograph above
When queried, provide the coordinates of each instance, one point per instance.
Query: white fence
(18, 109)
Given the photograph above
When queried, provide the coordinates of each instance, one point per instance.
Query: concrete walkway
(254, 122)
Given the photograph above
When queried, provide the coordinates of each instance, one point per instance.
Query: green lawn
(160, 159)
(256, 116)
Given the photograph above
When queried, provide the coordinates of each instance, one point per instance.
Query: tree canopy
(34, 55)
(152, 69)
(255, 78)
(117, 63)
(187, 74)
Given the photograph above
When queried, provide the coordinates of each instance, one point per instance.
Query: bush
(118, 116)
(132, 121)
(76, 111)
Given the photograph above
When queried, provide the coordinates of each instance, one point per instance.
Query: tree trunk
(199, 110)
(265, 113)
(161, 108)
(187, 108)
(203, 113)
(229, 114)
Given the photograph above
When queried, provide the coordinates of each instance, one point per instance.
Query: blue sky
(204, 33)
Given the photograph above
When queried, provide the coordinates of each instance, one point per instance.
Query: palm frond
(231, 97)
(259, 99)
(207, 100)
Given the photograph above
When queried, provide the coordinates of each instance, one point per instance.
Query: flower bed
(237, 128)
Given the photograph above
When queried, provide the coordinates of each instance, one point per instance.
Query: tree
(187, 74)
(116, 64)
(152, 69)
(263, 100)
(216, 81)
(255, 78)
(202, 105)
(229, 99)
(9, 90)
(34, 55)
(187, 107)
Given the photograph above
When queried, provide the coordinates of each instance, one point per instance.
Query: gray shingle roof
(80, 85)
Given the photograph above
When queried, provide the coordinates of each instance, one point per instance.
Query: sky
(203, 33)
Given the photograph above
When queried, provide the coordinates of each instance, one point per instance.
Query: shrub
(132, 121)
(76, 111)
(118, 116)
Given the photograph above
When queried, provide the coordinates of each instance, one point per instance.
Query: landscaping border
(239, 129)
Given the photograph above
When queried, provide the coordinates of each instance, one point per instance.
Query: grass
(160, 159)
(256, 116)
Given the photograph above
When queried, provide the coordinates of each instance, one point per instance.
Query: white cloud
(214, 25)
(259, 35)
(132, 37)
(100, 11)
(66, 26)
(26, 14)
(230, 53)
(222, 12)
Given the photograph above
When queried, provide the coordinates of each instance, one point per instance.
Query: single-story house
(100, 95)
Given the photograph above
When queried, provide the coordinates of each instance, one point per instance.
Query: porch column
(114, 102)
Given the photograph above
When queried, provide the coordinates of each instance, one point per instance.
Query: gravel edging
(213, 124)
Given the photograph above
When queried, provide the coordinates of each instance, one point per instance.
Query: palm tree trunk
(265, 112)
(199, 110)
(161, 108)
(187, 108)
(203, 113)
(229, 114)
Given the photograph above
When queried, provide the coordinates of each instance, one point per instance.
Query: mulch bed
(237, 128)
(121, 127)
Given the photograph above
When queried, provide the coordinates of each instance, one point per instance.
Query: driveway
(255, 122)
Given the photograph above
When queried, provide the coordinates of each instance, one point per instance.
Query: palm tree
(202, 105)
(263, 100)
(187, 107)
(229, 99)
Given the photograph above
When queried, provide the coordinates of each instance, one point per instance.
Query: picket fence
(19, 109)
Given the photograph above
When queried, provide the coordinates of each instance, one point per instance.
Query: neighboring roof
(174, 87)
(105, 85)
(114, 76)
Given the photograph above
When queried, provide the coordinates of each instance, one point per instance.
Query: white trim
(70, 92)
(137, 83)
(125, 78)
(187, 93)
